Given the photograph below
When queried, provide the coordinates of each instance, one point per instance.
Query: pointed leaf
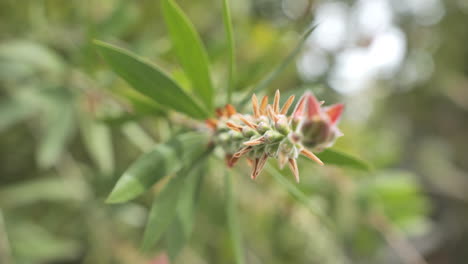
(165, 207)
(335, 157)
(181, 228)
(150, 80)
(165, 159)
(190, 51)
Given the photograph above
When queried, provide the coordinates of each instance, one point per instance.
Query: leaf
(58, 129)
(149, 80)
(12, 112)
(32, 243)
(232, 220)
(279, 69)
(44, 189)
(230, 40)
(165, 159)
(165, 206)
(181, 228)
(176, 238)
(335, 157)
(190, 51)
(97, 139)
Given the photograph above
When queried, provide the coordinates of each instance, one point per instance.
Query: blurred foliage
(69, 128)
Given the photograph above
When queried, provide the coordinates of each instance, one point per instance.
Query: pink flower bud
(316, 124)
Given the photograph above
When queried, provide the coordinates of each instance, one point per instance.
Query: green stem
(230, 39)
(232, 221)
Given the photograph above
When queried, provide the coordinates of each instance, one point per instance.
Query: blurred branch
(396, 240)
(5, 251)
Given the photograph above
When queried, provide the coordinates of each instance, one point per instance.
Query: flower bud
(282, 125)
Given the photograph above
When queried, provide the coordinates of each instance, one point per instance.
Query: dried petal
(256, 109)
(234, 126)
(287, 104)
(276, 102)
(294, 169)
(230, 110)
(255, 142)
(311, 156)
(247, 122)
(263, 105)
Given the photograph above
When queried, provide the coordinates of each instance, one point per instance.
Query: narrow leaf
(165, 159)
(230, 41)
(97, 139)
(181, 228)
(335, 157)
(150, 80)
(164, 209)
(190, 51)
(58, 129)
(279, 69)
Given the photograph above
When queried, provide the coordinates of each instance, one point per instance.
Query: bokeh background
(68, 131)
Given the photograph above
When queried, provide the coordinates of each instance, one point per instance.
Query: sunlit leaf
(190, 51)
(163, 160)
(150, 80)
(338, 158)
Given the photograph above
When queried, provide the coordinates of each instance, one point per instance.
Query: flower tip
(334, 112)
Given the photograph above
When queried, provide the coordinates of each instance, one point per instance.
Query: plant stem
(230, 39)
(232, 221)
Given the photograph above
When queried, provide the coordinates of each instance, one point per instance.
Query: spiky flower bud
(269, 132)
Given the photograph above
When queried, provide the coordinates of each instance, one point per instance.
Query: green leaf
(180, 230)
(176, 238)
(190, 51)
(232, 220)
(58, 129)
(165, 159)
(12, 112)
(279, 69)
(97, 139)
(338, 158)
(165, 206)
(149, 80)
(230, 40)
(49, 189)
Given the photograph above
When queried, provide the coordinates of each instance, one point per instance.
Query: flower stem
(232, 221)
